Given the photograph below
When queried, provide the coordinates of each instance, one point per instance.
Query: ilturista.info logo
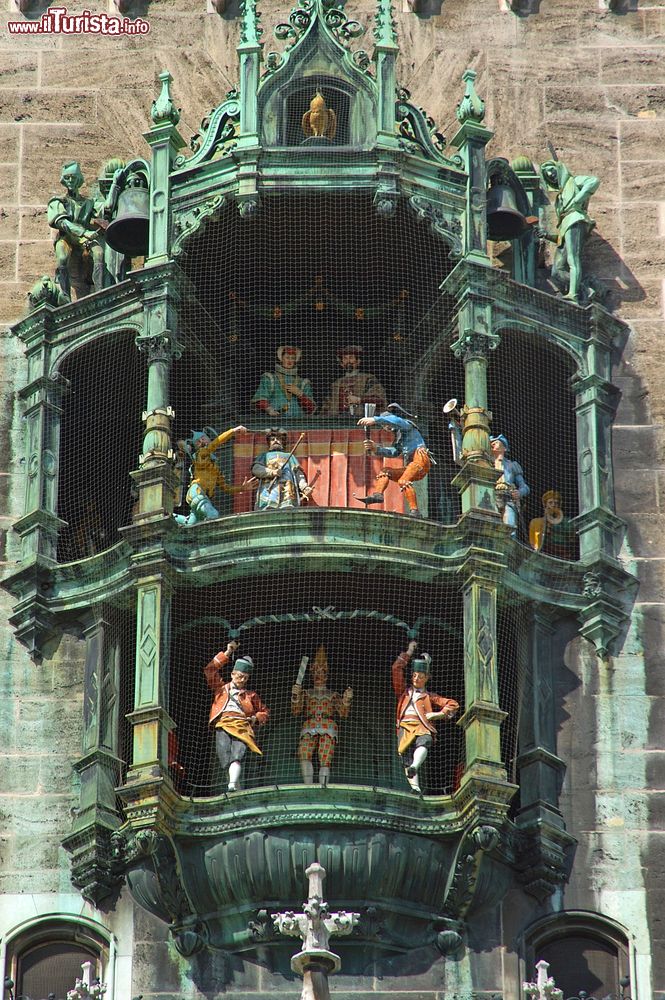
(56, 21)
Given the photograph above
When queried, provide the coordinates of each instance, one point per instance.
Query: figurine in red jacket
(417, 709)
(234, 712)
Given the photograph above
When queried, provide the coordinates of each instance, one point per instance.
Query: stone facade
(592, 82)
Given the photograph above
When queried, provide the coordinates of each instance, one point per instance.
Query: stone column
(477, 478)
(471, 140)
(40, 525)
(99, 767)
(599, 528)
(165, 141)
(482, 716)
(542, 856)
(150, 719)
(155, 478)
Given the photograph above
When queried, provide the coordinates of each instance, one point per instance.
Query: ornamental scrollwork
(449, 229)
(216, 133)
(362, 60)
(462, 884)
(344, 29)
(417, 128)
(592, 585)
(299, 21)
(189, 222)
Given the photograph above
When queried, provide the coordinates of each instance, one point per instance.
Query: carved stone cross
(315, 926)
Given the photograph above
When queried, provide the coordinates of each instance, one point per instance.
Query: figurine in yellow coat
(206, 476)
(320, 120)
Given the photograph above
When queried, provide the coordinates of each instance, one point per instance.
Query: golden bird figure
(320, 120)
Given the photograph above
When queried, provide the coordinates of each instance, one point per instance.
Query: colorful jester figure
(511, 486)
(417, 709)
(320, 121)
(234, 712)
(284, 393)
(409, 445)
(319, 731)
(282, 482)
(205, 474)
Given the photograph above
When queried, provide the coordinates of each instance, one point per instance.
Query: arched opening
(533, 405)
(585, 951)
(100, 440)
(47, 957)
(317, 273)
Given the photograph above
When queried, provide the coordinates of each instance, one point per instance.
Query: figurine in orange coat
(417, 709)
(234, 712)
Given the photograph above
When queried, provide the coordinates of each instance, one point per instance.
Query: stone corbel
(153, 874)
(464, 886)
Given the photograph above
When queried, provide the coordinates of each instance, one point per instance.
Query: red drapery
(334, 460)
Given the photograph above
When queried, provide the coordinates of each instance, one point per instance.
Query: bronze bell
(128, 231)
(504, 221)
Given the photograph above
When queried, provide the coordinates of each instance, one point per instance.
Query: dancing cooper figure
(234, 712)
(417, 709)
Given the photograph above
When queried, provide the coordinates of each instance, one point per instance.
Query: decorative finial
(250, 29)
(385, 31)
(471, 107)
(163, 109)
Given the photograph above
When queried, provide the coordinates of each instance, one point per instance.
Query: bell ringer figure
(417, 709)
(234, 712)
(409, 444)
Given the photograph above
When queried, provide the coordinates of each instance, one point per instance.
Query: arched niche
(318, 62)
(100, 440)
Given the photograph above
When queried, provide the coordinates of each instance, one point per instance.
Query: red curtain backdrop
(334, 460)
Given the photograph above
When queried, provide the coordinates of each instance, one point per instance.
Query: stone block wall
(591, 82)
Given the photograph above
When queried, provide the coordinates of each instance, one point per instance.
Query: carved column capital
(161, 347)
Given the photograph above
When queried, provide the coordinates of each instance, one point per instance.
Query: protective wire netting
(297, 317)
